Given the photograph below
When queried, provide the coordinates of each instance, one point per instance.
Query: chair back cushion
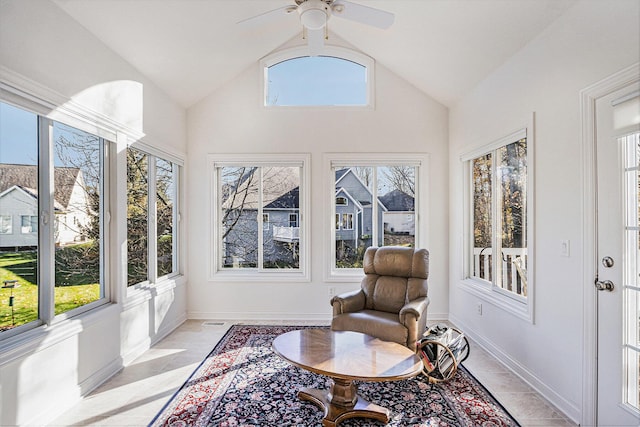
(394, 275)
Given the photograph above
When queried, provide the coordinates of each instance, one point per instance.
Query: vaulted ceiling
(189, 48)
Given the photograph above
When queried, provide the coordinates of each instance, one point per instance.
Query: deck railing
(513, 265)
(286, 234)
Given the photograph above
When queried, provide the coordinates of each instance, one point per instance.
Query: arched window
(338, 78)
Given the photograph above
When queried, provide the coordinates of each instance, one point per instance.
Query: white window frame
(333, 51)
(346, 201)
(46, 219)
(522, 307)
(346, 216)
(297, 220)
(152, 239)
(28, 227)
(219, 274)
(330, 161)
(265, 221)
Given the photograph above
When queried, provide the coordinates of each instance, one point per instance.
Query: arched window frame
(330, 51)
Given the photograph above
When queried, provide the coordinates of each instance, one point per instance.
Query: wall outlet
(332, 291)
(479, 308)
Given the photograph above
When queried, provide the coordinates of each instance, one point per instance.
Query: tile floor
(139, 391)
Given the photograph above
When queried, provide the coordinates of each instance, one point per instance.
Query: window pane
(318, 80)
(238, 223)
(281, 200)
(165, 205)
(396, 192)
(18, 199)
(512, 174)
(137, 214)
(77, 192)
(482, 217)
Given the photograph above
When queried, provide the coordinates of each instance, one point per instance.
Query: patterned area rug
(243, 383)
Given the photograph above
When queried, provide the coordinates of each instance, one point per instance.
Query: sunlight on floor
(136, 394)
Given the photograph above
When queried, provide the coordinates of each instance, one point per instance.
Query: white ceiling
(189, 48)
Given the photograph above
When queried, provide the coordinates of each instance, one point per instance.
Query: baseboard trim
(261, 317)
(567, 408)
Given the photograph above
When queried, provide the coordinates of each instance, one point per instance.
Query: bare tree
(402, 178)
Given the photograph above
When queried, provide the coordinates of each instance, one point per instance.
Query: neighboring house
(400, 217)
(354, 210)
(280, 216)
(19, 206)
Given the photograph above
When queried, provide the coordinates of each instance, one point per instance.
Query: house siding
(16, 203)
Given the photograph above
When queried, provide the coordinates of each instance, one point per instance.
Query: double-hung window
(499, 221)
(50, 267)
(246, 189)
(152, 216)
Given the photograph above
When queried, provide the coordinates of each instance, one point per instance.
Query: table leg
(342, 402)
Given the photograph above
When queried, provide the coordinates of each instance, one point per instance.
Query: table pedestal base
(342, 402)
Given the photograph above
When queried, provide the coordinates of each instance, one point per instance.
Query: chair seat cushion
(380, 324)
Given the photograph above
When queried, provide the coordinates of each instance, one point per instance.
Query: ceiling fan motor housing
(314, 13)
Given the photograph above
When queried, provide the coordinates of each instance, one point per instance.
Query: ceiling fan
(314, 15)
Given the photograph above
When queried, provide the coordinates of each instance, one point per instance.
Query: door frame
(588, 98)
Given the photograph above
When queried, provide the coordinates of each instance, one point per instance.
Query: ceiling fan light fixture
(313, 14)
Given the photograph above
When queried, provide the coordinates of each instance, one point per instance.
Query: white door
(618, 251)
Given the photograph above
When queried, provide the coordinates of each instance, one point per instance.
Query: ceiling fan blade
(315, 41)
(363, 14)
(267, 17)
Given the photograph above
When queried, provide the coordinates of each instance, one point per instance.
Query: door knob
(607, 261)
(604, 285)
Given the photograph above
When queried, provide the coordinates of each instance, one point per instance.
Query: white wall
(591, 41)
(232, 120)
(47, 54)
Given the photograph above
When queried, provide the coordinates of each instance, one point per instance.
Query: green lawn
(22, 266)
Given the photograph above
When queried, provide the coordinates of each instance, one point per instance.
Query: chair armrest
(348, 302)
(415, 308)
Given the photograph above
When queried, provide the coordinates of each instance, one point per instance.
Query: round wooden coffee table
(345, 357)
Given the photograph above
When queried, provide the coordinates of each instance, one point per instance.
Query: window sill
(520, 309)
(44, 336)
(260, 276)
(347, 276)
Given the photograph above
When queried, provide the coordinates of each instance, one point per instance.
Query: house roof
(397, 200)
(32, 193)
(279, 187)
(443, 48)
(289, 200)
(26, 177)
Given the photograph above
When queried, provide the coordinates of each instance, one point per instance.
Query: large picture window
(52, 195)
(499, 180)
(375, 203)
(246, 190)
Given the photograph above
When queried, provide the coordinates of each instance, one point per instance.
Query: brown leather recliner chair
(392, 301)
